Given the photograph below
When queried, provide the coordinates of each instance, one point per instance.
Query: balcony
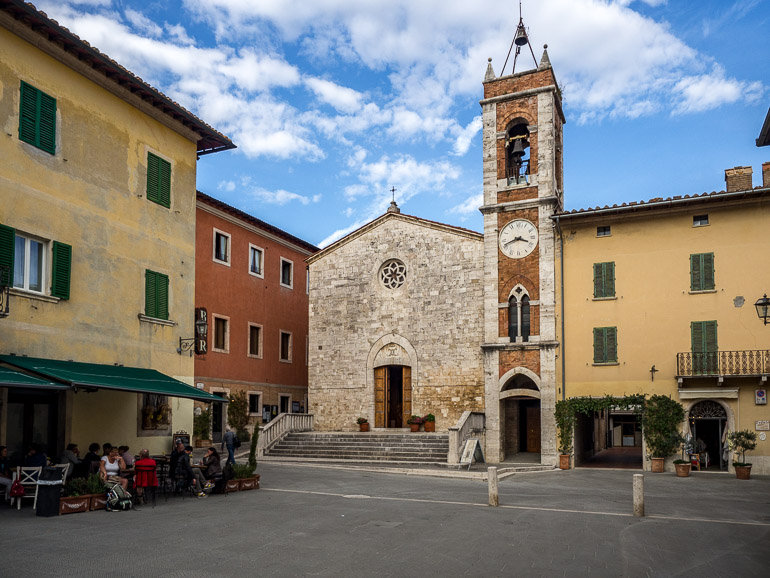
(748, 363)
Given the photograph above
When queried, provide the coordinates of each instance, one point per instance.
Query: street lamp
(201, 328)
(763, 308)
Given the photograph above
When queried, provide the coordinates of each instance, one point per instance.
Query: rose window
(393, 274)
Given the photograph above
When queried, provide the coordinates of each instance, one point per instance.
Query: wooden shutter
(599, 354)
(379, 397)
(7, 254)
(707, 271)
(28, 113)
(47, 123)
(609, 279)
(695, 272)
(61, 270)
(164, 183)
(611, 343)
(37, 118)
(150, 294)
(153, 177)
(407, 384)
(161, 288)
(598, 280)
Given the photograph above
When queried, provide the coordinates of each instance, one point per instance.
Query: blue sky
(333, 102)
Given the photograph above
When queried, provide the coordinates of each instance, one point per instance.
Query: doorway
(217, 418)
(392, 396)
(708, 424)
(33, 418)
(522, 426)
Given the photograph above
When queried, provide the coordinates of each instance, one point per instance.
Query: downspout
(563, 336)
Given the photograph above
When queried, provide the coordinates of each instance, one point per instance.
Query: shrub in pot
(429, 422)
(414, 422)
(74, 497)
(660, 423)
(244, 474)
(682, 468)
(565, 427)
(363, 424)
(202, 428)
(741, 442)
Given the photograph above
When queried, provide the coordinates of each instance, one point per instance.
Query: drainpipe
(563, 336)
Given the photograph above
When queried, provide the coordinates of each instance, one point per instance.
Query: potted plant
(74, 497)
(245, 477)
(96, 493)
(741, 442)
(660, 423)
(429, 422)
(363, 424)
(565, 426)
(201, 428)
(414, 422)
(682, 468)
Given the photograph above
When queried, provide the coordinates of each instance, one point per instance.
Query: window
(155, 295)
(158, 180)
(285, 345)
(605, 344)
(255, 340)
(221, 334)
(25, 258)
(704, 347)
(700, 220)
(284, 403)
(37, 118)
(287, 273)
(604, 280)
(256, 260)
(517, 152)
(222, 247)
(518, 316)
(254, 405)
(393, 274)
(702, 272)
(603, 231)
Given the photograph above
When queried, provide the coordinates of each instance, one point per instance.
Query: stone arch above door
(532, 377)
(729, 415)
(391, 349)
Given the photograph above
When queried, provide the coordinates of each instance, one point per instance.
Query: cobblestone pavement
(328, 522)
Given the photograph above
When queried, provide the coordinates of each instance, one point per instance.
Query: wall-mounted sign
(200, 385)
(762, 425)
(294, 407)
(201, 341)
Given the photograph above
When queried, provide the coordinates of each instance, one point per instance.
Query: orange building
(251, 284)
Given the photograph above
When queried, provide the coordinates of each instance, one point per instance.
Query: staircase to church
(372, 447)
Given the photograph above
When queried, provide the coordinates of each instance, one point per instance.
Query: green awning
(12, 378)
(94, 375)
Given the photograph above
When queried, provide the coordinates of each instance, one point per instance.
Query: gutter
(561, 283)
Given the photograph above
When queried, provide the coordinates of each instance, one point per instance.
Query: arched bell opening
(517, 152)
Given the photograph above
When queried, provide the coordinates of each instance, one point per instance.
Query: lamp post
(201, 329)
(763, 308)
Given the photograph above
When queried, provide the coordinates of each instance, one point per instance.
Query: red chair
(145, 477)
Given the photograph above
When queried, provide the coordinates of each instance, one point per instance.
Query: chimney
(766, 175)
(738, 179)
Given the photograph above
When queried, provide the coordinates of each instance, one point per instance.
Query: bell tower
(523, 187)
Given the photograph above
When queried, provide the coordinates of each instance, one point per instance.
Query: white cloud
(465, 138)
(143, 24)
(340, 97)
(708, 91)
(469, 206)
(227, 186)
(279, 197)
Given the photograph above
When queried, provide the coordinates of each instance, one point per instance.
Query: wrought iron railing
(727, 363)
(518, 174)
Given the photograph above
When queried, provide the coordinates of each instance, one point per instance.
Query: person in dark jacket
(213, 463)
(174, 457)
(228, 441)
(36, 457)
(185, 474)
(90, 457)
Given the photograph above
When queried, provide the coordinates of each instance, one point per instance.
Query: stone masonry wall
(435, 318)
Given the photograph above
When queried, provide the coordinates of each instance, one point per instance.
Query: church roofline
(452, 229)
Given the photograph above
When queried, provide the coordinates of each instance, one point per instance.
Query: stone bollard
(494, 498)
(638, 495)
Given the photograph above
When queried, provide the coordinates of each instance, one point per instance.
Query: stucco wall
(435, 318)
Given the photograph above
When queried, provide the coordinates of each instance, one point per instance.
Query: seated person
(106, 449)
(185, 473)
(126, 455)
(145, 473)
(110, 466)
(213, 465)
(5, 473)
(35, 457)
(177, 451)
(71, 457)
(91, 456)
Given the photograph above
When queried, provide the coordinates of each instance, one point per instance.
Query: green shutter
(61, 270)
(707, 268)
(150, 294)
(695, 272)
(158, 180)
(609, 279)
(598, 280)
(37, 118)
(7, 253)
(611, 343)
(704, 346)
(162, 296)
(598, 345)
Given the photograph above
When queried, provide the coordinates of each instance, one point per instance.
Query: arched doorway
(520, 413)
(708, 425)
(392, 395)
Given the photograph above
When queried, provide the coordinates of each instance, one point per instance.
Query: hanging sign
(201, 341)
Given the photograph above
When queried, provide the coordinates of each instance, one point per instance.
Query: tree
(238, 415)
(660, 423)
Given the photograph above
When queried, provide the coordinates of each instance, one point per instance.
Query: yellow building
(97, 241)
(658, 298)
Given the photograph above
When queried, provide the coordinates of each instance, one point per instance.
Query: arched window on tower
(517, 152)
(518, 315)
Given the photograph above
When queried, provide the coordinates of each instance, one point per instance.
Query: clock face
(518, 239)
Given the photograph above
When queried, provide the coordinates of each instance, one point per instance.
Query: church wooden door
(407, 396)
(533, 429)
(380, 387)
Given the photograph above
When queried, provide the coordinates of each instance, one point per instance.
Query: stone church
(409, 316)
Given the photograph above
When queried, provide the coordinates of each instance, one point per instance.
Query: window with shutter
(705, 350)
(7, 253)
(158, 180)
(605, 344)
(702, 272)
(155, 295)
(61, 270)
(604, 280)
(37, 118)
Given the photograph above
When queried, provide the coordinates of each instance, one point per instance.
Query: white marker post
(638, 495)
(494, 498)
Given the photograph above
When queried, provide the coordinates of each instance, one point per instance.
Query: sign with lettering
(471, 453)
(201, 341)
(762, 425)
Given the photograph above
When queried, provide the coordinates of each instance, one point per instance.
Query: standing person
(229, 441)
(71, 456)
(5, 473)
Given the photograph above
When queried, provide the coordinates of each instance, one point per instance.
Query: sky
(332, 103)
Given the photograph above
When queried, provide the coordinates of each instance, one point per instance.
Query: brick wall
(738, 179)
(519, 82)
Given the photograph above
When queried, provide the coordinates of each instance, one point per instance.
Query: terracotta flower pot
(657, 465)
(233, 485)
(564, 461)
(682, 470)
(743, 472)
(363, 427)
(74, 504)
(414, 426)
(429, 425)
(98, 501)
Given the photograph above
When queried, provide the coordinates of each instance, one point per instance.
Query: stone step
(280, 450)
(374, 445)
(360, 458)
